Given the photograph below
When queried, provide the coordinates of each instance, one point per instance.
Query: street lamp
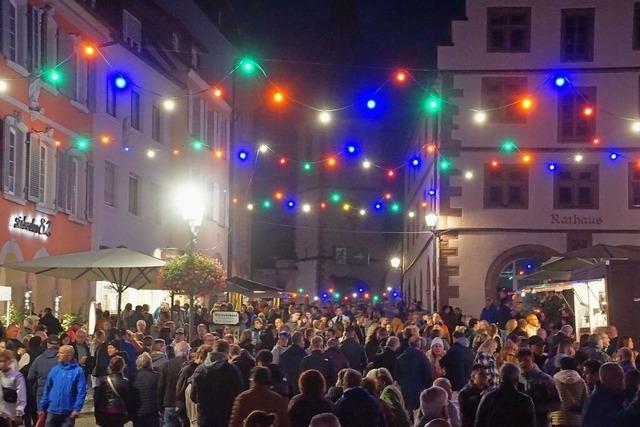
(191, 203)
(431, 219)
(395, 262)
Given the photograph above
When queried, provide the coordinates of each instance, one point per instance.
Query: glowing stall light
(480, 117)
(578, 158)
(371, 104)
(552, 167)
(264, 148)
(415, 162)
(614, 156)
(324, 117)
(468, 175)
(243, 155)
(366, 164)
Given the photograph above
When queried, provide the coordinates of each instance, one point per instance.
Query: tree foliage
(193, 274)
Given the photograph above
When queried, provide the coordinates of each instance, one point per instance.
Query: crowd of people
(317, 364)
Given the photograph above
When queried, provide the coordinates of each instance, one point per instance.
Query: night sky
(328, 51)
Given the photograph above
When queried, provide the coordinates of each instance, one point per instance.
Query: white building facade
(539, 141)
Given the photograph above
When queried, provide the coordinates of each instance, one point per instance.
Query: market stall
(239, 291)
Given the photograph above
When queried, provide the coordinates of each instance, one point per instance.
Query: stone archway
(510, 255)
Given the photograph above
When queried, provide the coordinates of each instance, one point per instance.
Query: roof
(250, 287)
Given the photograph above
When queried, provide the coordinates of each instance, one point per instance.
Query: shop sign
(36, 226)
(576, 219)
(225, 317)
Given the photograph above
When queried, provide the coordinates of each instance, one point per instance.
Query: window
(42, 178)
(36, 38)
(577, 34)
(634, 185)
(506, 187)
(508, 29)
(109, 184)
(500, 91)
(574, 125)
(11, 170)
(576, 187)
(13, 32)
(636, 26)
(72, 186)
(135, 110)
(156, 124)
(111, 99)
(131, 30)
(134, 195)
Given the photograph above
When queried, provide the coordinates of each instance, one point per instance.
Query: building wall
(481, 241)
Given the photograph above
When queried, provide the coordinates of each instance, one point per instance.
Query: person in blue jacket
(64, 391)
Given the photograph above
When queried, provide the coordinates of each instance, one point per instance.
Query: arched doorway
(512, 264)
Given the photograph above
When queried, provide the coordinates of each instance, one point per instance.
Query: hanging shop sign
(225, 317)
(38, 226)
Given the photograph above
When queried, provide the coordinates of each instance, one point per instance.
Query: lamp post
(396, 263)
(191, 203)
(431, 220)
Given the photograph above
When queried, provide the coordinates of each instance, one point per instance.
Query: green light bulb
(197, 145)
(508, 146)
(300, 290)
(306, 167)
(395, 208)
(335, 197)
(445, 164)
(248, 65)
(433, 104)
(266, 204)
(82, 144)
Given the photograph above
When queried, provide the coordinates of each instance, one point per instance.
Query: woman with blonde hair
(486, 358)
(508, 353)
(435, 354)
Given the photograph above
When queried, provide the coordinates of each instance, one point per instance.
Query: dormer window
(131, 30)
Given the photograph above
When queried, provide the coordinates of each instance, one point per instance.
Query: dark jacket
(386, 358)
(355, 354)
(505, 407)
(468, 400)
(41, 367)
(145, 387)
(167, 382)
(630, 416)
(88, 364)
(489, 314)
(602, 407)
(371, 348)
(334, 393)
(279, 382)
(357, 408)
(108, 404)
(290, 362)
(542, 390)
(52, 324)
(337, 358)
(215, 385)
(457, 364)
(318, 361)
(303, 408)
(414, 374)
(245, 364)
(181, 385)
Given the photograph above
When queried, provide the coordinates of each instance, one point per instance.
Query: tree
(192, 275)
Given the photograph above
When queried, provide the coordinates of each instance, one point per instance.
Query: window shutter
(89, 205)
(30, 37)
(21, 145)
(67, 54)
(131, 30)
(4, 131)
(82, 192)
(34, 168)
(61, 180)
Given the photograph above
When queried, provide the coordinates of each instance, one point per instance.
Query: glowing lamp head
(324, 117)
(120, 82)
(431, 219)
(243, 155)
(371, 104)
(560, 81)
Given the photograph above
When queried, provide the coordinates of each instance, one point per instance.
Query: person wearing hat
(435, 355)
(43, 364)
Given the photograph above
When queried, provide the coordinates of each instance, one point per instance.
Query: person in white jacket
(14, 389)
(572, 391)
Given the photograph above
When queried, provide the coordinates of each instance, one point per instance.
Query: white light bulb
(306, 208)
(480, 117)
(363, 212)
(250, 206)
(354, 295)
(169, 104)
(4, 86)
(263, 148)
(635, 126)
(578, 158)
(151, 154)
(468, 175)
(412, 214)
(324, 117)
(366, 164)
